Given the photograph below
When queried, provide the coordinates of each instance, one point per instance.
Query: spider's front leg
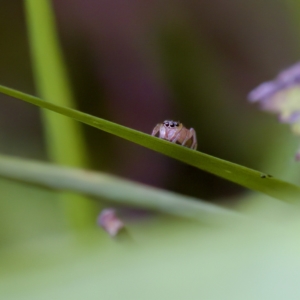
(175, 137)
(156, 129)
(190, 136)
(194, 137)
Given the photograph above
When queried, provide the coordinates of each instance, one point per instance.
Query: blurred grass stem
(64, 138)
(113, 189)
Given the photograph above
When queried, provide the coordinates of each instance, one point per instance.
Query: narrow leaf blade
(241, 175)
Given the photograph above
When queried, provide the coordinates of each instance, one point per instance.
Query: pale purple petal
(284, 80)
(282, 96)
(290, 76)
(263, 91)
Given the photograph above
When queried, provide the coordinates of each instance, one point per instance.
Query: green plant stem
(112, 188)
(64, 138)
(241, 175)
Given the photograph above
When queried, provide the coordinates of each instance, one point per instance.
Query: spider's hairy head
(170, 123)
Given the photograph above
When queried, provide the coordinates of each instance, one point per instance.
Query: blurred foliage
(65, 142)
(175, 262)
(137, 63)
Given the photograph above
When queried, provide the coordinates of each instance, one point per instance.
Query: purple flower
(286, 79)
(282, 96)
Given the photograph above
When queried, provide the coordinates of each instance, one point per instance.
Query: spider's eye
(172, 125)
(166, 123)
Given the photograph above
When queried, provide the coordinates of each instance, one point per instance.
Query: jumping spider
(175, 132)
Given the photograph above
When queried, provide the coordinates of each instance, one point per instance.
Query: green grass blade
(241, 175)
(111, 188)
(64, 138)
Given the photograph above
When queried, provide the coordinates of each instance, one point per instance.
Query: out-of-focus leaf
(27, 212)
(65, 143)
(246, 177)
(178, 261)
(113, 189)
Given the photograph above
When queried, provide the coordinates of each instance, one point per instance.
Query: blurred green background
(138, 63)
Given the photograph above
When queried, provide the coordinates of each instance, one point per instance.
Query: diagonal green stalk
(64, 138)
(241, 175)
(112, 188)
